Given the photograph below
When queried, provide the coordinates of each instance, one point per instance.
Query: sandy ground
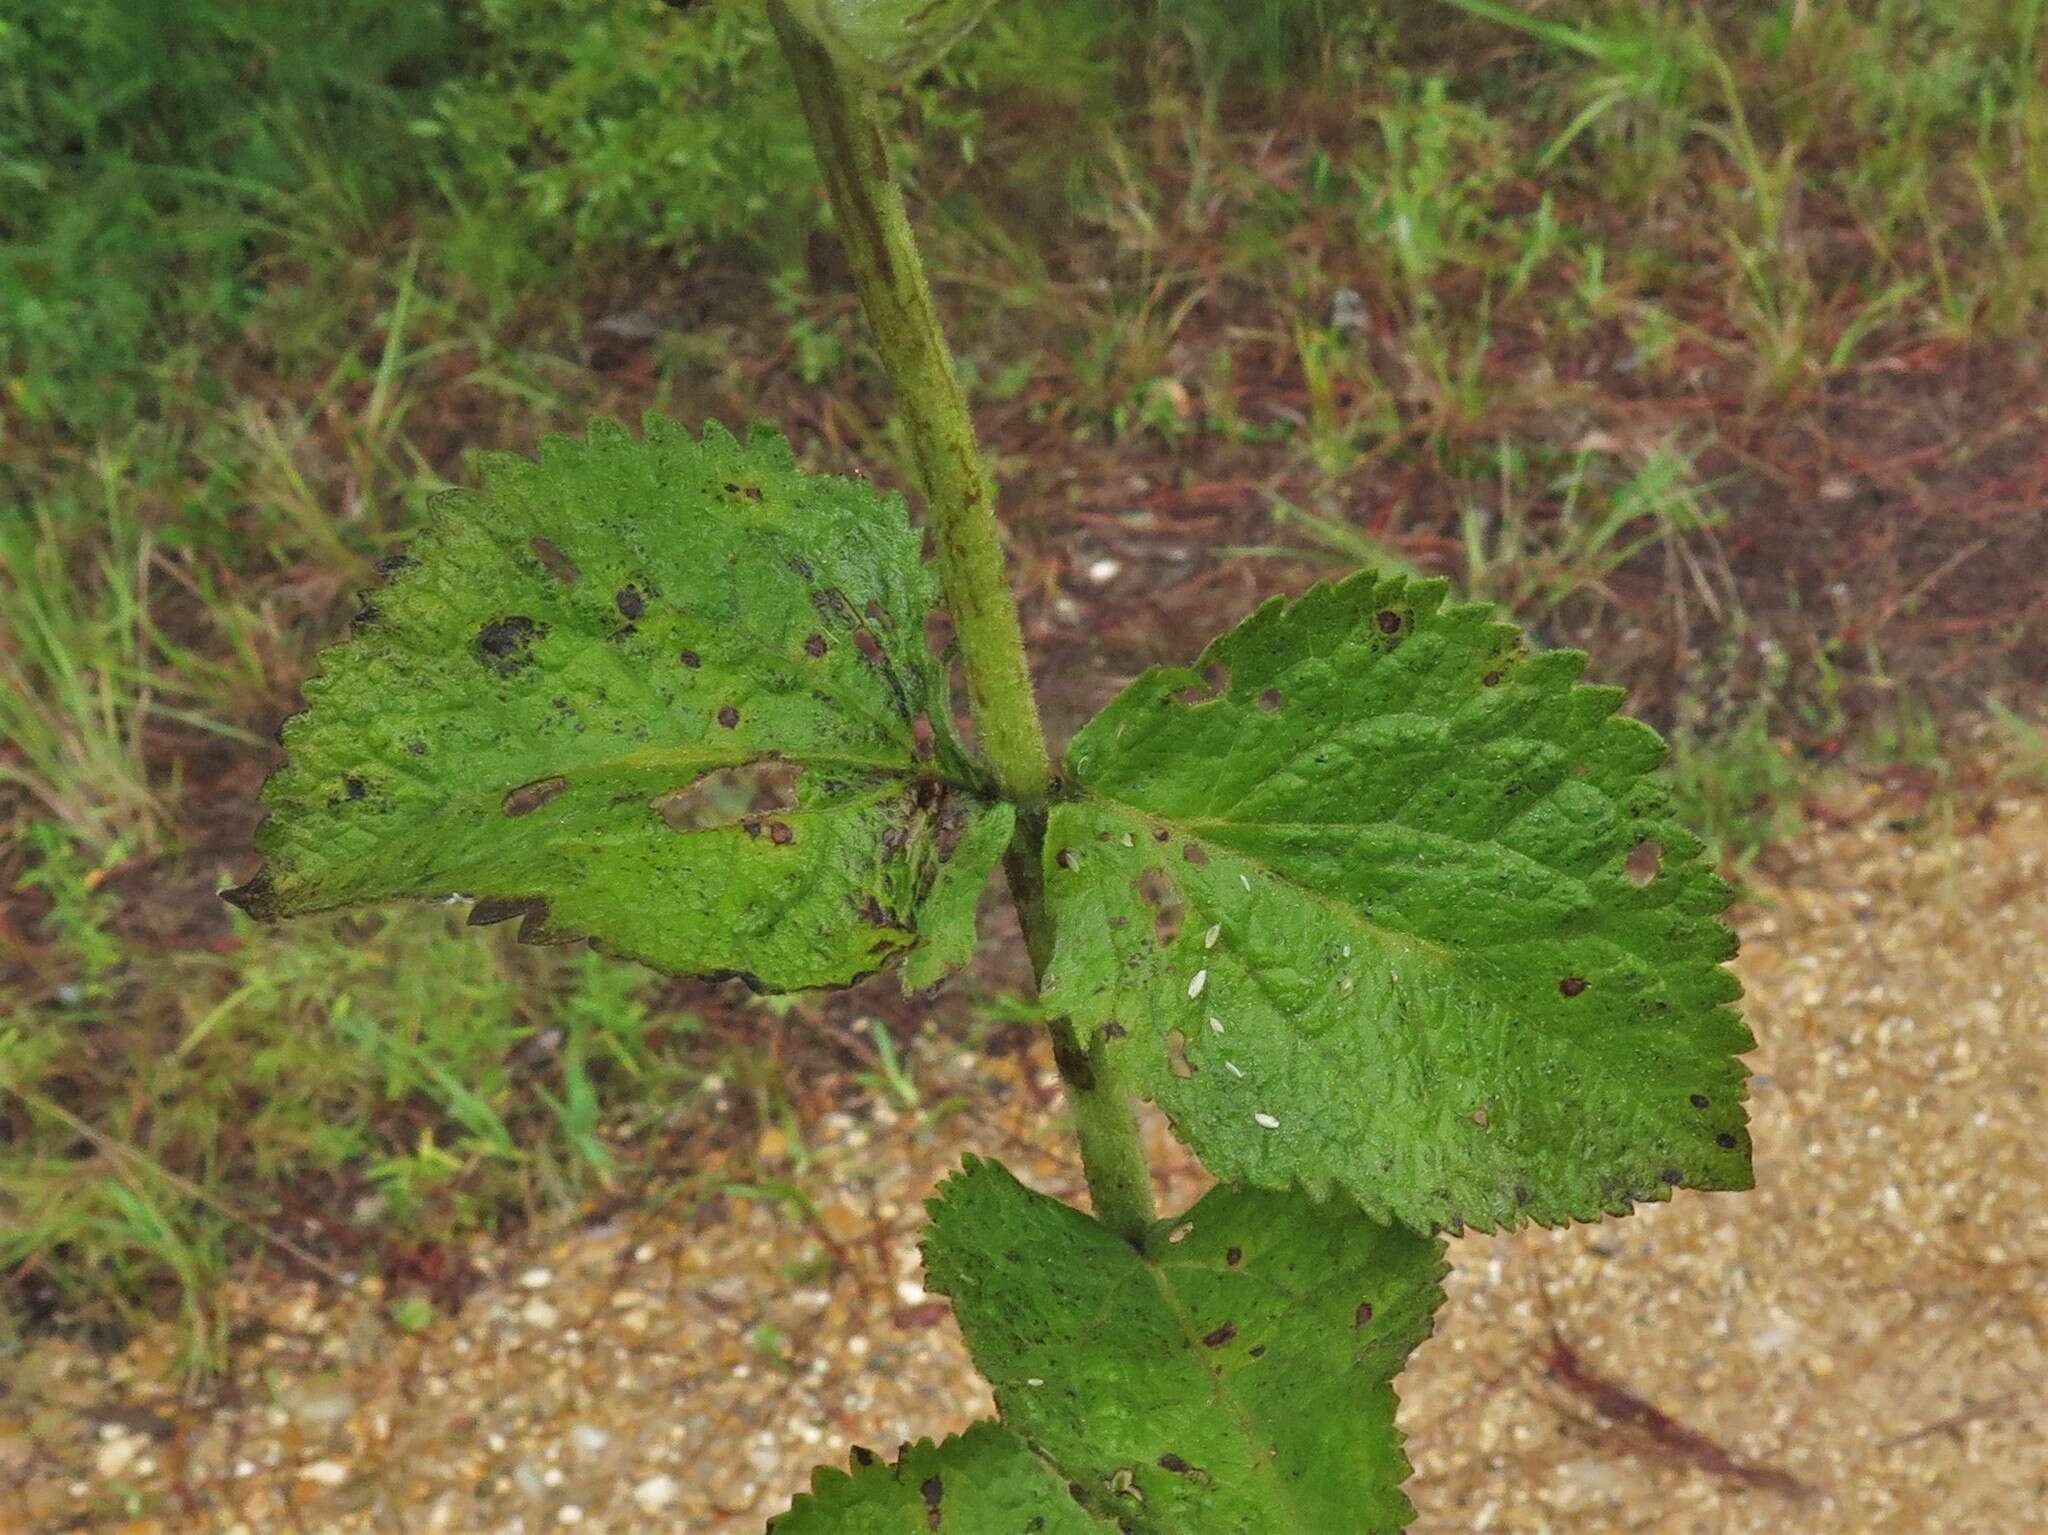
(1858, 1346)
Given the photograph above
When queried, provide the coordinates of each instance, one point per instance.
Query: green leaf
(672, 696)
(1233, 1379)
(1401, 910)
(982, 1482)
(889, 41)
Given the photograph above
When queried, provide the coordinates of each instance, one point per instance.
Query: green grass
(348, 1083)
(268, 279)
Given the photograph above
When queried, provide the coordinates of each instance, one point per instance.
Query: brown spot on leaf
(630, 602)
(734, 796)
(1362, 1315)
(729, 717)
(529, 797)
(1220, 1336)
(1388, 620)
(691, 659)
(1158, 891)
(814, 645)
(556, 563)
(1645, 861)
(1572, 985)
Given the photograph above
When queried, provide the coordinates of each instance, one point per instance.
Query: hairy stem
(960, 495)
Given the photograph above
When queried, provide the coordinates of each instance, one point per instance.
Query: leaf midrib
(1266, 1471)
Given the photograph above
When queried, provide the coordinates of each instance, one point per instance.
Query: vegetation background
(1705, 336)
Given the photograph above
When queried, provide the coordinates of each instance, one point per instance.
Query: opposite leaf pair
(1372, 898)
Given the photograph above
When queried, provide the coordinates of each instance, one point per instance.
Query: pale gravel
(1868, 1324)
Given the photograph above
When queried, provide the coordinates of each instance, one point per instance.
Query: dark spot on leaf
(869, 647)
(1075, 1068)
(1270, 700)
(932, 1490)
(556, 563)
(1114, 1030)
(814, 645)
(877, 614)
(1259, 1351)
(367, 616)
(630, 602)
(258, 897)
(1645, 859)
(729, 717)
(1725, 1141)
(1572, 985)
(528, 798)
(1672, 1176)
(1234, 1257)
(506, 644)
(353, 787)
(780, 833)
(863, 1456)
(692, 660)
(1217, 676)
(1700, 1101)
(1195, 853)
(1174, 1464)
(1522, 1195)
(1389, 621)
(1491, 680)
(1220, 1336)
(392, 564)
(1161, 835)
(1362, 1315)
(489, 913)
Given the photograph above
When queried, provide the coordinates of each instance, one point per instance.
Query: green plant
(1385, 910)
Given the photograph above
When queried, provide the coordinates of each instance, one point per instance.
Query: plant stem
(960, 495)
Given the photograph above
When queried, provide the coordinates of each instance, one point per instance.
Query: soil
(1860, 1344)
